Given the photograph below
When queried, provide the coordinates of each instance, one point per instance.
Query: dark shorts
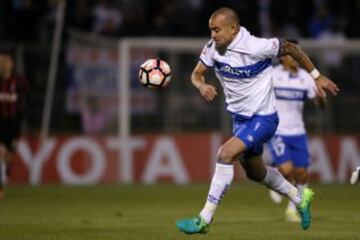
(9, 131)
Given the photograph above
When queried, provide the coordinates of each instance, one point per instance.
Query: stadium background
(173, 135)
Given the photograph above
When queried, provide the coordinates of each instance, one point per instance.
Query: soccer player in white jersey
(289, 148)
(242, 63)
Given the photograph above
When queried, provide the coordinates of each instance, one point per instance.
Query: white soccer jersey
(291, 90)
(245, 72)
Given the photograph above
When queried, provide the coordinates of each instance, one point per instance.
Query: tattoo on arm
(288, 48)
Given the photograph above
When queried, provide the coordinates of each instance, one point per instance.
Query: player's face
(8, 63)
(222, 31)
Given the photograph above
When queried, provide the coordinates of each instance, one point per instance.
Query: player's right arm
(208, 91)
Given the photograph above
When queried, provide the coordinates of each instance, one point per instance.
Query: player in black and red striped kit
(13, 91)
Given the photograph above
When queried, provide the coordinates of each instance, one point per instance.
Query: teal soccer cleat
(304, 207)
(193, 225)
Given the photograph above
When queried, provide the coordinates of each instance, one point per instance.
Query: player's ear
(234, 28)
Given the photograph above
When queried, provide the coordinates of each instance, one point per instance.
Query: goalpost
(183, 45)
(124, 47)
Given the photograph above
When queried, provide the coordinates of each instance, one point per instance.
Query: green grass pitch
(149, 212)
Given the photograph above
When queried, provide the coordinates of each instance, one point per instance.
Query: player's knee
(225, 155)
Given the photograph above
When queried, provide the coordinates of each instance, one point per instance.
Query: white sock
(291, 206)
(301, 186)
(220, 182)
(275, 181)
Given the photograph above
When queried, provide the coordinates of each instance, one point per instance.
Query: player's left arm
(321, 81)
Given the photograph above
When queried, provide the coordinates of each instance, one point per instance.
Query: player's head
(287, 61)
(224, 25)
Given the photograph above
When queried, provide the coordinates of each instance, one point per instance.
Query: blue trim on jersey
(203, 62)
(293, 75)
(242, 72)
(291, 94)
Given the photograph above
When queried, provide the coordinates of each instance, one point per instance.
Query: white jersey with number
(291, 91)
(245, 72)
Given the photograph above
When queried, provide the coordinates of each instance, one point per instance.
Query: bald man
(242, 63)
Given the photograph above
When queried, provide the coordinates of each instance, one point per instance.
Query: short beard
(221, 49)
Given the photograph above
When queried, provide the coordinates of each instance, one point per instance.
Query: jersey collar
(236, 39)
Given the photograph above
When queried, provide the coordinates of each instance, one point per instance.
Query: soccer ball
(155, 73)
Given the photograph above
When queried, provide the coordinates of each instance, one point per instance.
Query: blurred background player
(355, 176)
(242, 63)
(13, 90)
(289, 147)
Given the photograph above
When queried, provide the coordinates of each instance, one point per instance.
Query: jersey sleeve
(206, 56)
(263, 48)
